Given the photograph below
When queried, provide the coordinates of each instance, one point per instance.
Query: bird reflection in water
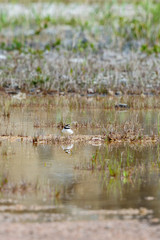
(67, 148)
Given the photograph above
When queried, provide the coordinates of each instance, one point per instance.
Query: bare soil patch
(113, 229)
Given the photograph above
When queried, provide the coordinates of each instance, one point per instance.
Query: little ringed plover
(67, 130)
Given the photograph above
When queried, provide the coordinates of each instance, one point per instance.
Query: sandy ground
(107, 230)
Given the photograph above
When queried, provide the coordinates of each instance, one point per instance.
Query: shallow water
(32, 121)
(61, 179)
(54, 170)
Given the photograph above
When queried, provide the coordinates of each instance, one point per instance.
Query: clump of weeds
(130, 130)
(122, 166)
(6, 109)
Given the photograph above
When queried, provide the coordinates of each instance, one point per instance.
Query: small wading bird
(67, 130)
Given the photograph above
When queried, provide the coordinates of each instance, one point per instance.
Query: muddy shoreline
(81, 230)
(89, 139)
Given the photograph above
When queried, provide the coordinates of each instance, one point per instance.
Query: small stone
(123, 81)
(90, 91)
(61, 93)
(2, 57)
(110, 93)
(38, 91)
(96, 139)
(20, 96)
(118, 93)
(12, 92)
(143, 95)
(32, 90)
(65, 77)
(149, 198)
(149, 86)
(154, 220)
(77, 60)
(121, 105)
(144, 211)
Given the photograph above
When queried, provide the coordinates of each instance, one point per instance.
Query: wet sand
(81, 230)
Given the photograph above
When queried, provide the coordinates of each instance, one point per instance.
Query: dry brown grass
(114, 137)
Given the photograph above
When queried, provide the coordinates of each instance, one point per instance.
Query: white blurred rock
(77, 60)
(19, 96)
(2, 57)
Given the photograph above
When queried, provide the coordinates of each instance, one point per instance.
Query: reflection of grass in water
(24, 187)
(158, 156)
(158, 124)
(125, 174)
(4, 151)
(6, 108)
(80, 103)
(124, 165)
(125, 186)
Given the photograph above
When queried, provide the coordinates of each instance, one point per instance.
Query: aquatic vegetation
(6, 108)
(83, 102)
(158, 124)
(112, 165)
(129, 131)
(25, 187)
(4, 151)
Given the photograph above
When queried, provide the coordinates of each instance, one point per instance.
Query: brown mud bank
(81, 230)
(89, 139)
